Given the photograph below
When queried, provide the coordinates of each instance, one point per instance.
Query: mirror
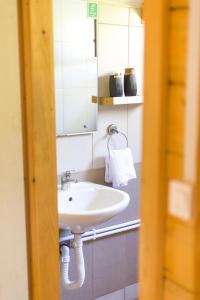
(75, 65)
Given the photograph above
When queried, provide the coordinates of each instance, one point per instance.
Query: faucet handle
(68, 173)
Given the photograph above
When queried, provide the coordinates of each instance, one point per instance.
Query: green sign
(92, 9)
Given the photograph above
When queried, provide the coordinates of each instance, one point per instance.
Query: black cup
(115, 85)
(130, 84)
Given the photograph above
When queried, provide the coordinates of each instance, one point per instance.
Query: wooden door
(169, 244)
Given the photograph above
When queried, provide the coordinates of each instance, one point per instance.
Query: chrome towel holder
(111, 130)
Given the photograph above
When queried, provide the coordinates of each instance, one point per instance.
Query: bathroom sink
(86, 204)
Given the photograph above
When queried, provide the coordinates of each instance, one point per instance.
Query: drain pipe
(80, 265)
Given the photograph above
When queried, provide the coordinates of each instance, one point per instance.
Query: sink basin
(87, 204)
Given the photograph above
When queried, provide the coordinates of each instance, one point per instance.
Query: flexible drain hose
(80, 265)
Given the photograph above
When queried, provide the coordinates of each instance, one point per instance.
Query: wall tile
(133, 189)
(59, 110)
(107, 116)
(136, 54)
(133, 211)
(77, 152)
(112, 53)
(131, 261)
(86, 291)
(58, 65)
(131, 292)
(135, 115)
(109, 268)
(57, 20)
(118, 295)
(113, 115)
(73, 16)
(113, 14)
(59, 152)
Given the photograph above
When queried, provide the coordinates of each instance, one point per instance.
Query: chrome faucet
(66, 179)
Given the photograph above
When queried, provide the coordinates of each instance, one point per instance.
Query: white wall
(13, 261)
(120, 45)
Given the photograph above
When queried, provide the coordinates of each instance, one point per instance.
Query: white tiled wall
(112, 53)
(129, 293)
(111, 14)
(136, 49)
(120, 45)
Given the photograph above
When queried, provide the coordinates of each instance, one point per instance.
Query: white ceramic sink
(86, 204)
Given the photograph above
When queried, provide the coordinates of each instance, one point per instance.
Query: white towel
(119, 167)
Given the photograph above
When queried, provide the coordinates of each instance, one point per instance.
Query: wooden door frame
(39, 139)
(36, 48)
(153, 205)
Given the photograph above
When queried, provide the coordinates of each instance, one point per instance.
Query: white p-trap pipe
(80, 265)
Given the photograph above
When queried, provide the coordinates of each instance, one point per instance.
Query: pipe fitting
(80, 265)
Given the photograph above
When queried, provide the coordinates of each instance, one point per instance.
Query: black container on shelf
(130, 84)
(115, 85)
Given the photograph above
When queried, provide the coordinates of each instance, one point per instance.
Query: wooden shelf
(118, 100)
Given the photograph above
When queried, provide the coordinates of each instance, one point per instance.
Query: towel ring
(111, 130)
